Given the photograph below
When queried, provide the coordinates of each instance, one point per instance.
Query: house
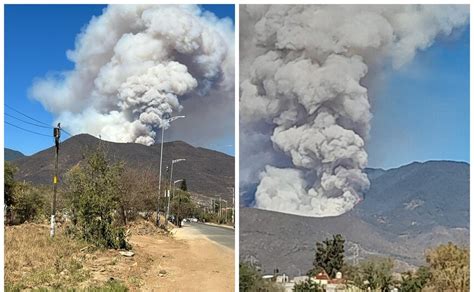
(322, 278)
(337, 284)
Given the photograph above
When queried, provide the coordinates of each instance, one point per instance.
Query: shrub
(30, 204)
(93, 192)
(449, 267)
(250, 280)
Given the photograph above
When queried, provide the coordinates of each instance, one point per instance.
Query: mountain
(207, 172)
(406, 211)
(11, 154)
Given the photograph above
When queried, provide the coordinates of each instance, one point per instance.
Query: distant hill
(405, 211)
(207, 172)
(11, 154)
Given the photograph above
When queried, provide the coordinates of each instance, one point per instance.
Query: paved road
(221, 235)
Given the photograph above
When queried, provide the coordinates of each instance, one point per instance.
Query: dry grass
(34, 261)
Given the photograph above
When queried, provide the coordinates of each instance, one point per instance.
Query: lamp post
(166, 119)
(169, 196)
(179, 202)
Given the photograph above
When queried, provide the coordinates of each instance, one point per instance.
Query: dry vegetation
(34, 261)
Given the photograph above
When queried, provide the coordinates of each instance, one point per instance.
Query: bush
(93, 192)
(250, 280)
(449, 267)
(9, 184)
(308, 286)
(182, 205)
(375, 273)
(30, 204)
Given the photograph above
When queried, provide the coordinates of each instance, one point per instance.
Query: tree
(375, 274)
(248, 277)
(308, 286)
(30, 203)
(138, 193)
(184, 186)
(182, 205)
(415, 281)
(9, 186)
(23, 202)
(250, 280)
(329, 256)
(449, 267)
(93, 191)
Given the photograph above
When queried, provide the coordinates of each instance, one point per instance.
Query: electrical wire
(25, 115)
(62, 130)
(41, 126)
(27, 130)
(45, 124)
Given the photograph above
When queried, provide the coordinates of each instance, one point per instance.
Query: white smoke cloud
(302, 70)
(134, 63)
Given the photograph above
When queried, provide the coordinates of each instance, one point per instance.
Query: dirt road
(187, 262)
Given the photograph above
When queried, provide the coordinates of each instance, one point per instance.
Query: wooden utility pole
(57, 136)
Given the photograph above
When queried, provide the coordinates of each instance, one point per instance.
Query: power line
(45, 124)
(25, 115)
(66, 132)
(41, 126)
(27, 130)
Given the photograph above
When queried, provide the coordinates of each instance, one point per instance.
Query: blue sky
(422, 111)
(36, 40)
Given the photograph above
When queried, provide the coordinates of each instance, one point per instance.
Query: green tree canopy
(184, 186)
(93, 191)
(250, 280)
(329, 256)
(9, 184)
(375, 274)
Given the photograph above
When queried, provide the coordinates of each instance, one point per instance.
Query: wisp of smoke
(301, 92)
(134, 63)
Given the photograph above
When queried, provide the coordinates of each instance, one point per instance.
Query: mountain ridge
(406, 211)
(207, 172)
(11, 154)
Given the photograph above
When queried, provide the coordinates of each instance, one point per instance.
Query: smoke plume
(134, 63)
(304, 106)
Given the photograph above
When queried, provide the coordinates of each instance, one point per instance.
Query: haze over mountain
(405, 211)
(207, 172)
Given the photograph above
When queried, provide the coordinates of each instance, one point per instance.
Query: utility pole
(57, 136)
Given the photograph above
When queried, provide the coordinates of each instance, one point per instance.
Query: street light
(171, 179)
(166, 119)
(179, 202)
